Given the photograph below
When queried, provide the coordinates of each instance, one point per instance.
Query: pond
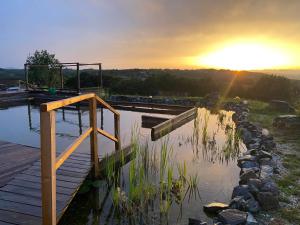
(166, 182)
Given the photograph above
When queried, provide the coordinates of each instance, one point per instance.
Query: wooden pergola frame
(60, 66)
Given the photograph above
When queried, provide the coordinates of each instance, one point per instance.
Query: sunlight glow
(245, 56)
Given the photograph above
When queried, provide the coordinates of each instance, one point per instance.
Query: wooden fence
(50, 163)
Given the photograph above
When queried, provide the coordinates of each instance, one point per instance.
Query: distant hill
(200, 73)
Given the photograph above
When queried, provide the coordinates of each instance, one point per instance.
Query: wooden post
(26, 76)
(117, 132)
(100, 71)
(61, 78)
(78, 78)
(48, 171)
(93, 137)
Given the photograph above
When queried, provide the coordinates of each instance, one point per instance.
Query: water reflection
(169, 180)
(207, 146)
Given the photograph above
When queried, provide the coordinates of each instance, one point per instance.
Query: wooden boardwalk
(20, 191)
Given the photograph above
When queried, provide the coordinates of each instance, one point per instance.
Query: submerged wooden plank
(173, 123)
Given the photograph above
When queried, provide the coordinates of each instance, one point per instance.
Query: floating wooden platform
(20, 194)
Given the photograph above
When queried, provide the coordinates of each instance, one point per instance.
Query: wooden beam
(45, 107)
(64, 155)
(93, 137)
(106, 134)
(48, 171)
(117, 131)
(173, 123)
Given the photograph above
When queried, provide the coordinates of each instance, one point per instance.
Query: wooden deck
(20, 192)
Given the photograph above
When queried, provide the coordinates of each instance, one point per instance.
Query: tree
(46, 71)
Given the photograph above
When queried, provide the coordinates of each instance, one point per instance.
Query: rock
(264, 154)
(246, 135)
(232, 217)
(238, 203)
(194, 221)
(270, 186)
(287, 121)
(265, 132)
(281, 106)
(215, 207)
(251, 220)
(242, 191)
(254, 186)
(248, 164)
(245, 170)
(266, 171)
(246, 158)
(252, 206)
(245, 177)
(267, 200)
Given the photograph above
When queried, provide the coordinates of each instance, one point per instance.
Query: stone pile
(256, 190)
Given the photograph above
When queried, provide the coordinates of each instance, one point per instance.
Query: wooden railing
(50, 163)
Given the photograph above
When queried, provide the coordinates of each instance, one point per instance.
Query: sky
(233, 34)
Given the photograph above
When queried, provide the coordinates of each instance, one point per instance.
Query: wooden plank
(151, 121)
(4, 223)
(173, 123)
(64, 155)
(106, 134)
(62, 181)
(21, 208)
(46, 107)
(19, 218)
(150, 105)
(21, 183)
(31, 192)
(61, 175)
(70, 168)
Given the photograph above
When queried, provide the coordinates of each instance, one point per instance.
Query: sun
(245, 56)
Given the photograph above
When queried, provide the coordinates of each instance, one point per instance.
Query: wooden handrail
(106, 105)
(50, 163)
(106, 134)
(46, 107)
(64, 155)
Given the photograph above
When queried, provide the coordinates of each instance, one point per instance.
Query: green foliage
(43, 75)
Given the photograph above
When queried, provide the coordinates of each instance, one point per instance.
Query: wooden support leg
(117, 132)
(48, 175)
(93, 137)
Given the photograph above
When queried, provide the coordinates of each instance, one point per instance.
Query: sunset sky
(234, 34)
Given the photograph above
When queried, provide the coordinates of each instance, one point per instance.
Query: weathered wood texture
(15, 158)
(172, 124)
(20, 196)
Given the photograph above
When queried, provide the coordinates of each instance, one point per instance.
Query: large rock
(269, 186)
(287, 121)
(238, 203)
(268, 200)
(248, 164)
(282, 106)
(232, 217)
(245, 177)
(215, 207)
(194, 221)
(242, 191)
